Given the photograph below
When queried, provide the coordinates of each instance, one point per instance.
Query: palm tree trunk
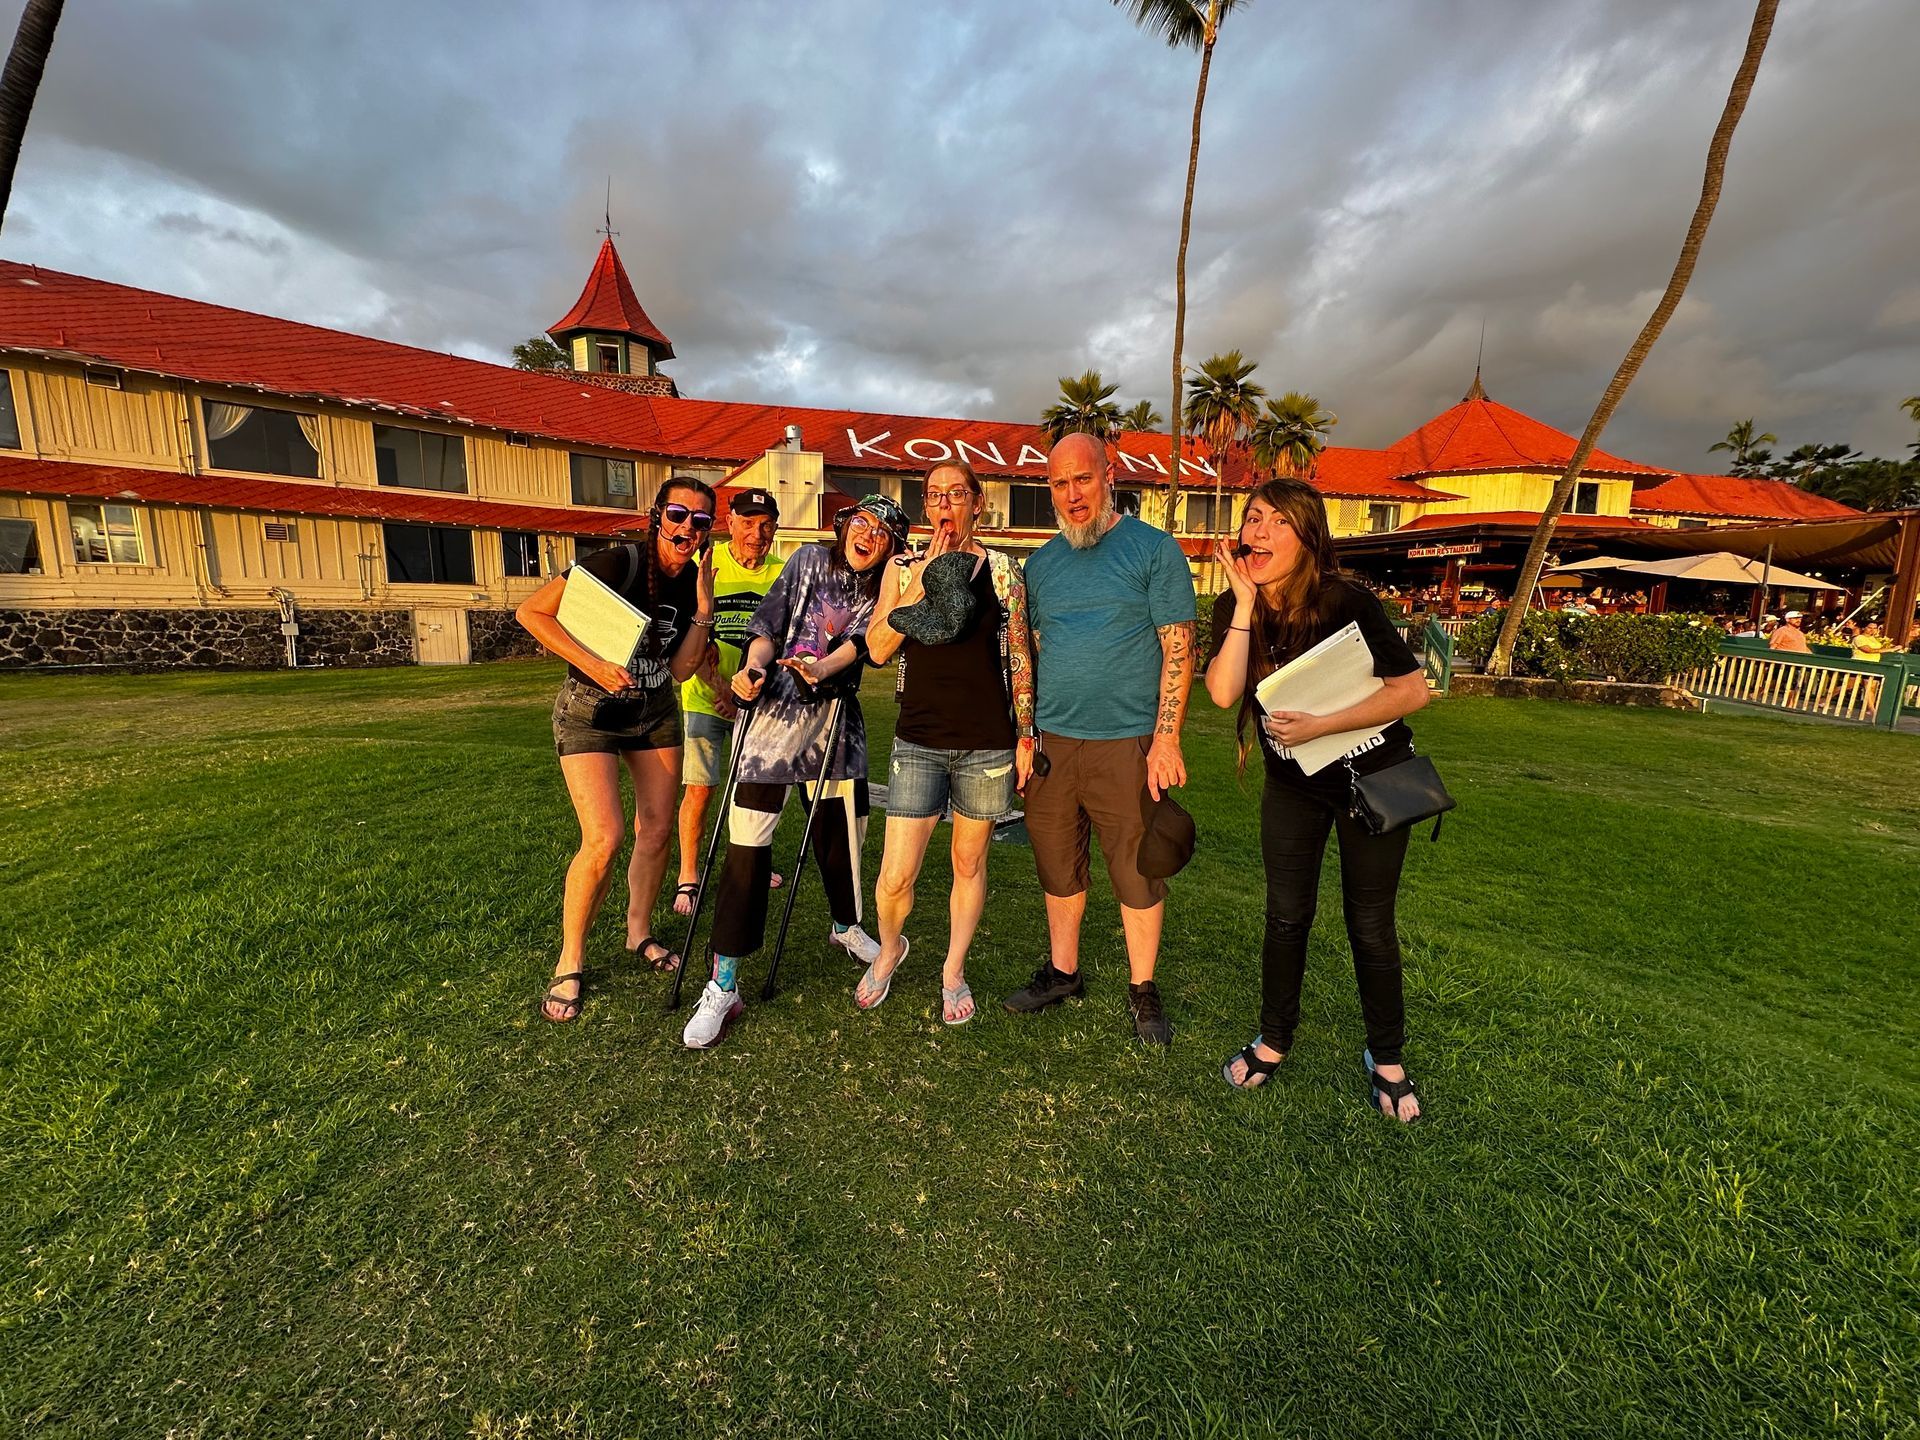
(20, 83)
(1501, 661)
(1180, 261)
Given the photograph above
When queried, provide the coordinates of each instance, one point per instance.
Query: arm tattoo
(1176, 678)
(1020, 654)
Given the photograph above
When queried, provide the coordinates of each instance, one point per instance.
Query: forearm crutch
(834, 717)
(713, 848)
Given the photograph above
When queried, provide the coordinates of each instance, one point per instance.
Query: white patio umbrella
(1722, 567)
(1599, 562)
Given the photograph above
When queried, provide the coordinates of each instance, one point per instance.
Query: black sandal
(1394, 1090)
(691, 890)
(668, 958)
(1250, 1057)
(572, 1006)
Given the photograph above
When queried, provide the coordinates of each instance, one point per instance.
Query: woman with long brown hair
(608, 715)
(1285, 595)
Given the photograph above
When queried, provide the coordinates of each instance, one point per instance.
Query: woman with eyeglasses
(606, 716)
(805, 648)
(963, 739)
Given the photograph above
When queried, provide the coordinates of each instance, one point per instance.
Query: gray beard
(1085, 537)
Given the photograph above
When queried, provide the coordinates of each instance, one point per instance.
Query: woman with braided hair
(606, 715)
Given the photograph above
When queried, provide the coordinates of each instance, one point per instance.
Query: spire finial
(1478, 391)
(606, 228)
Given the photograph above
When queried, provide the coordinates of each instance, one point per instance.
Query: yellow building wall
(142, 423)
(1518, 491)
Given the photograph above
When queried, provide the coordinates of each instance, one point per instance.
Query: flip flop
(666, 960)
(570, 1008)
(951, 1000)
(1394, 1090)
(776, 880)
(683, 897)
(1258, 1071)
(865, 987)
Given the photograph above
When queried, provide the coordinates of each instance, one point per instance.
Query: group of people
(1064, 680)
(1864, 640)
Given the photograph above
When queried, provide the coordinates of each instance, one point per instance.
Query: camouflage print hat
(886, 510)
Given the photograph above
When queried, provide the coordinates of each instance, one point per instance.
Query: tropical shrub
(1636, 649)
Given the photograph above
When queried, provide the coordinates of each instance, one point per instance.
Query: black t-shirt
(671, 607)
(956, 694)
(1347, 604)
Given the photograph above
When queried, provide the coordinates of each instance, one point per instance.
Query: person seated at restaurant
(1789, 636)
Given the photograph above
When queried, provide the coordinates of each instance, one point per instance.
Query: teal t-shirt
(1096, 615)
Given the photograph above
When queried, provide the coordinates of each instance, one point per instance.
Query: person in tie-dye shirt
(806, 646)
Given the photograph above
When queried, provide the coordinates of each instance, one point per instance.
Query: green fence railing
(1746, 674)
(1438, 651)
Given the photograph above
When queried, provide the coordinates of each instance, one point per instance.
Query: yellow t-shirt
(737, 593)
(1870, 647)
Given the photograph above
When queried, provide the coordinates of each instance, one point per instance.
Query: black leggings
(1293, 841)
(839, 832)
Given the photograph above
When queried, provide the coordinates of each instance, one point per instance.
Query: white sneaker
(857, 943)
(717, 1009)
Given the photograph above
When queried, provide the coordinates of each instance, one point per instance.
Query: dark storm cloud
(945, 208)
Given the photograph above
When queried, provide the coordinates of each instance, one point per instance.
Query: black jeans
(1293, 841)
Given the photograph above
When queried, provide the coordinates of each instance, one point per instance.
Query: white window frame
(135, 525)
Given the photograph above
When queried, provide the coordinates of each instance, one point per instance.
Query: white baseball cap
(1793, 614)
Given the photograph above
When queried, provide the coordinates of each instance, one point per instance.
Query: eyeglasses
(678, 514)
(948, 499)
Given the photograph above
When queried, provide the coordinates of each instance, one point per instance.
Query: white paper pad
(599, 619)
(1334, 674)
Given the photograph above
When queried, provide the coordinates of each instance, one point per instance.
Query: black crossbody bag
(1398, 796)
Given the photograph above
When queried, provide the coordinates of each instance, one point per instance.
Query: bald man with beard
(1110, 600)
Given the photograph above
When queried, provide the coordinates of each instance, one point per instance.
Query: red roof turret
(609, 306)
(1483, 436)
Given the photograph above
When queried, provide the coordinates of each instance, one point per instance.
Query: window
(428, 555)
(1127, 502)
(520, 551)
(1382, 518)
(609, 355)
(19, 547)
(1031, 507)
(1202, 517)
(105, 535)
(585, 545)
(600, 481)
(268, 442)
(913, 497)
(420, 459)
(9, 423)
(1692, 525)
(1586, 498)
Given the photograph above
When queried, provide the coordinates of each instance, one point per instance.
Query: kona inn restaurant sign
(992, 457)
(1435, 552)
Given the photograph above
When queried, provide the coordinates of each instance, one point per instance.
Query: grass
(284, 1149)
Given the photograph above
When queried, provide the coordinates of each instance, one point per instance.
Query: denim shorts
(709, 747)
(921, 781)
(589, 721)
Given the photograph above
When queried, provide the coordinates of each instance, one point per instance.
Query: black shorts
(589, 721)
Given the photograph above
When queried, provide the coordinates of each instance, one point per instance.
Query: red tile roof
(1527, 518)
(1734, 495)
(301, 497)
(608, 303)
(1480, 436)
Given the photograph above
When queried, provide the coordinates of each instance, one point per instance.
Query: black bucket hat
(1167, 845)
(948, 605)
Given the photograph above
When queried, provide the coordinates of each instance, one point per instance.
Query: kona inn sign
(1435, 552)
(990, 456)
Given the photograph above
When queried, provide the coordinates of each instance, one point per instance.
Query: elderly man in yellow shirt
(744, 569)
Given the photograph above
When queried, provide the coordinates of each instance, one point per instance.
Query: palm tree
(1196, 25)
(1745, 446)
(1141, 416)
(1500, 662)
(1222, 404)
(1912, 406)
(1085, 405)
(1290, 436)
(20, 82)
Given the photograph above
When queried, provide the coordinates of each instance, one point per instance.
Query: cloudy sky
(940, 206)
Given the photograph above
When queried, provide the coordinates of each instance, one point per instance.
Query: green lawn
(285, 1149)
